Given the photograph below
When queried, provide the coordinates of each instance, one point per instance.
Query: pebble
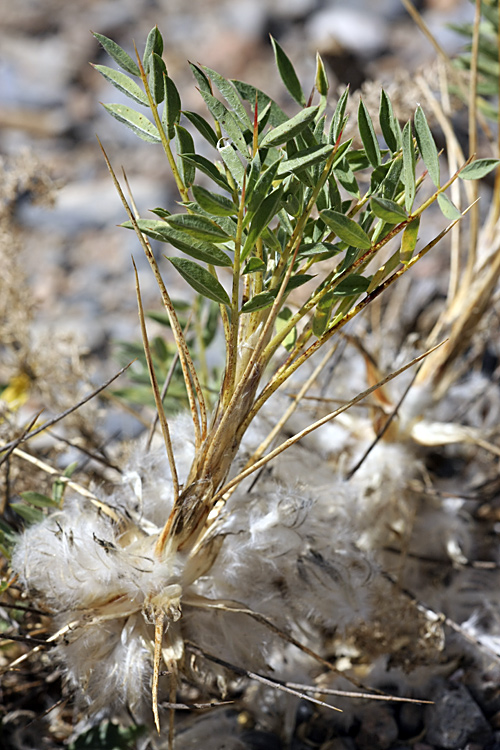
(411, 717)
(379, 729)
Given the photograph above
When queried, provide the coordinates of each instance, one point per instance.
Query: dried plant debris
(235, 564)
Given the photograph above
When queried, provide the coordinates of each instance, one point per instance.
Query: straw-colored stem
(291, 408)
(315, 425)
(474, 214)
(290, 367)
(232, 342)
(156, 390)
(457, 78)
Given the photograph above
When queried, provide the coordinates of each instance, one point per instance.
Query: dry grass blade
(60, 633)
(17, 442)
(276, 684)
(156, 391)
(73, 485)
(355, 694)
(235, 608)
(195, 706)
(191, 381)
(457, 78)
(293, 406)
(165, 386)
(382, 432)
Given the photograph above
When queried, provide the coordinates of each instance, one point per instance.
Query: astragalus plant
(187, 575)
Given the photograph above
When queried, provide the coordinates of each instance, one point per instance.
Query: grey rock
(455, 718)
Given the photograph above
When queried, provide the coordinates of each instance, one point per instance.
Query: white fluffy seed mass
(282, 554)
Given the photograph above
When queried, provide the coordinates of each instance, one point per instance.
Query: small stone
(411, 719)
(339, 743)
(378, 729)
(455, 718)
(257, 740)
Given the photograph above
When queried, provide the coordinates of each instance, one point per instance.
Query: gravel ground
(77, 262)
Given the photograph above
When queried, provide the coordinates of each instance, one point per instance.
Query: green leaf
(198, 227)
(282, 319)
(387, 210)
(289, 129)
(201, 78)
(353, 284)
(306, 158)
(154, 45)
(391, 182)
(259, 302)
(321, 81)
(288, 74)
(123, 83)
(172, 108)
(202, 126)
(27, 512)
(214, 203)
(118, 54)
(161, 212)
(409, 240)
(254, 197)
(70, 469)
(138, 123)
(157, 72)
(264, 102)
(230, 94)
(39, 500)
(201, 280)
(108, 736)
(478, 169)
(324, 249)
(426, 145)
(298, 280)
(338, 119)
(345, 176)
(346, 229)
(448, 209)
(322, 313)
(408, 175)
(207, 167)
(368, 136)
(254, 265)
(227, 120)
(232, 161)
(264, 214)
(184, 144)
(389, 124)
(199, 249)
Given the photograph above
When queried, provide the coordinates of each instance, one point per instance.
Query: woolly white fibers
(282, 554)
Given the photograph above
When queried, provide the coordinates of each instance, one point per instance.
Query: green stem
(333, 281)
(290, 367)
(183, 191)
(232, 342)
